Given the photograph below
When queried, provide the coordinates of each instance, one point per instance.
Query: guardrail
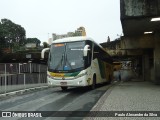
(16, 76)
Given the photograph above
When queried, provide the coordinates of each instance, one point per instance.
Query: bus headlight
(85, 73)
(79, 82)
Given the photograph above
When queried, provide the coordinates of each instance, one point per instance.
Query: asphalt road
(54, 99)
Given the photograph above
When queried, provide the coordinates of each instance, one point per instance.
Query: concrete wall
(117, 52)
(139, 8)
(157, 58)
(134, 52)
(138, 42)
(135, 18)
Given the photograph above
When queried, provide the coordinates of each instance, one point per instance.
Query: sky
(41, 18)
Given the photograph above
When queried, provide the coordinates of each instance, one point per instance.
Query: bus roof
(71, 39)
(77, 38)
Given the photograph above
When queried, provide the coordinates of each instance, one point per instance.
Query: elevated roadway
(142, 35)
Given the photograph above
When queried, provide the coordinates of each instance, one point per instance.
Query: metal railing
(15, 76)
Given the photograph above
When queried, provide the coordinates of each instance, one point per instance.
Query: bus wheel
(64, 88)
(94, 82)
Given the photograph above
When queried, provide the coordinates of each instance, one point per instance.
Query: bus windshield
(66, 56)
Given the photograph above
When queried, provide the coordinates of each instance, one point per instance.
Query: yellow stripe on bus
(57, 74)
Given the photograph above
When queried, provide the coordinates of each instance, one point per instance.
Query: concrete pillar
(145, 67)
(138, 66)
(157, 58)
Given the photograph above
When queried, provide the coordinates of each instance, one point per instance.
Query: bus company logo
(63, 78)
(6, 114)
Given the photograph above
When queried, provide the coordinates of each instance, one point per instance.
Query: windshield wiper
(60, 62)
(66, 61)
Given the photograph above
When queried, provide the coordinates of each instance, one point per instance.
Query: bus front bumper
(77, 82)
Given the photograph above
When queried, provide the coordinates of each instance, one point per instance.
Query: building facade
(79, 32)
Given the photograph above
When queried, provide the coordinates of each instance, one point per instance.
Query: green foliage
(2, 36)
(16, 47)
(45, 44)
(11, 34)
(33, 40)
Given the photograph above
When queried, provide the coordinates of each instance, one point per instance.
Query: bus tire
(94, 82)
(64, 88)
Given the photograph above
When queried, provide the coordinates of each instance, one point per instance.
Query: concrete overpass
(142, 35)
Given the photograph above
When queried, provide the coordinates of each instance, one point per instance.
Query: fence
(15, 76)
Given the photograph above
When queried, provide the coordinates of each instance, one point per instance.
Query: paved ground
(130, 96)
(53, 99)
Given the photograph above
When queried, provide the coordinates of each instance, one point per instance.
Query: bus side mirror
(43, 51)
(85, 50)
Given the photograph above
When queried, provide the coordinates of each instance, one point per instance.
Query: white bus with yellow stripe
(77, 62)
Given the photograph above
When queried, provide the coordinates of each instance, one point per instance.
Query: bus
(77, 62)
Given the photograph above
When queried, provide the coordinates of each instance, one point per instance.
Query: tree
(33, 40)
(12, 34)
(2, 36)
(45, 44)
(2, 39)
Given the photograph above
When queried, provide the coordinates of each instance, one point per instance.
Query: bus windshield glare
(66, 56)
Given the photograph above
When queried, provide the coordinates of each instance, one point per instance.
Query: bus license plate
(63, 83)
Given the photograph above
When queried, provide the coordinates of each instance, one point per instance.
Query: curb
(22, 91)
(103, 98)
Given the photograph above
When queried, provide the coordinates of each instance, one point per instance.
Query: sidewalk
(129, 96)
